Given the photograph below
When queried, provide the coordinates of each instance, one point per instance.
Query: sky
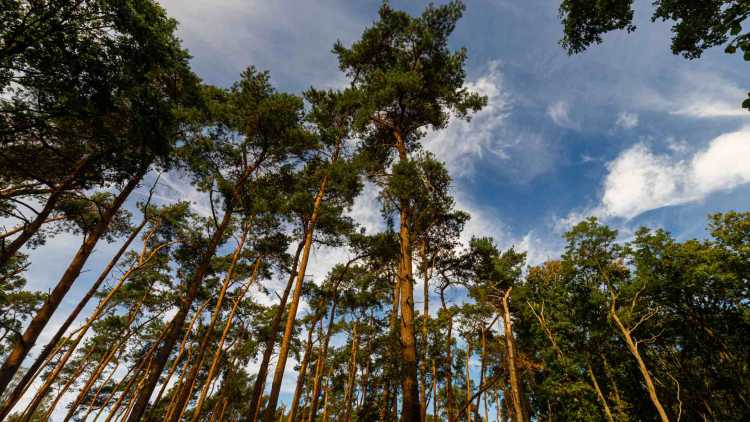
(626, 131)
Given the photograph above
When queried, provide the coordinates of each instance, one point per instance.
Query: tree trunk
(8, 251)
(349, 389)
(260, 378)
(185, 393)
(426, 317)
(151, 377)
(410, 390)
(217, 354)
(393, 325)
(321, 363)
(469, 406)
(450, 407)
(26, 342)
(600, 395)
(434, 390)
(633, 347)
(95, 316)
(292, 315)
(302, 374)
(483, 368)
(515, 384)
(52, 344)
(181, 350)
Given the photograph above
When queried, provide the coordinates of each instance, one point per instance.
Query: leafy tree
(696, 25)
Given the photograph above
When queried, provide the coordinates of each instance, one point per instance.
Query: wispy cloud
(559, 112)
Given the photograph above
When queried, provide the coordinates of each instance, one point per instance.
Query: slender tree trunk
(94, 317)
(410, 389)
(393, 327)
(29, 230)
(81, 367)
(469, 406)
(185, 393)
(175, 326)
(302, 374)
(633, 347)
(366, 376)
(181, 350)
(43, 315)
(53, 343)
(450, 407)
(260, 378)
(434, 390)
(278, 375)
(600, 395)
(322, 356)
(18, 229)
(510, 353)
(217, 354)
(425, 339)
(483, 368)
(349, 389)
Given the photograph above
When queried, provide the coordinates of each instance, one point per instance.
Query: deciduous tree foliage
(203, 299)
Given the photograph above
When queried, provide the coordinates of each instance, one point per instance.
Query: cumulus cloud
(639, 180)
(627, 120)
(559, 112)
(462, 143)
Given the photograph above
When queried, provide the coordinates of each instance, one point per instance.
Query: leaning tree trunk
(52, 344)
(426, 316)
(321, 362)
(151, 377)
(183, 395)
(260, 378)
(8, 251)
(278, 375)
(450, 406)
(410, 410)
(302, 371)
(349, 389)
(519, 412)
(633, 348)
(227, 326)
(44, 314)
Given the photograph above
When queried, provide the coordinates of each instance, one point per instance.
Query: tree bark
(301, 375)
(217, 354)
(410, 410)
(260, 378)
(184, 394)
(278, 375)
(600, 395)
(322, 356)
(633, 348)
(349, 389)
(510, 353)
(151, 377)
(8, 251)
(26, 342)
(426, 316)
(52, 344)
(450, 408)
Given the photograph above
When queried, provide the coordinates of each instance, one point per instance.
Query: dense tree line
(98, 101)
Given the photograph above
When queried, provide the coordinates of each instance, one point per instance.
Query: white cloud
(559, 112)
(627, 120)
(698, 95)
(640, 180)
(461, 143)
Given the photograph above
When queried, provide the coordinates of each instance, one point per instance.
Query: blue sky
(625, 131)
